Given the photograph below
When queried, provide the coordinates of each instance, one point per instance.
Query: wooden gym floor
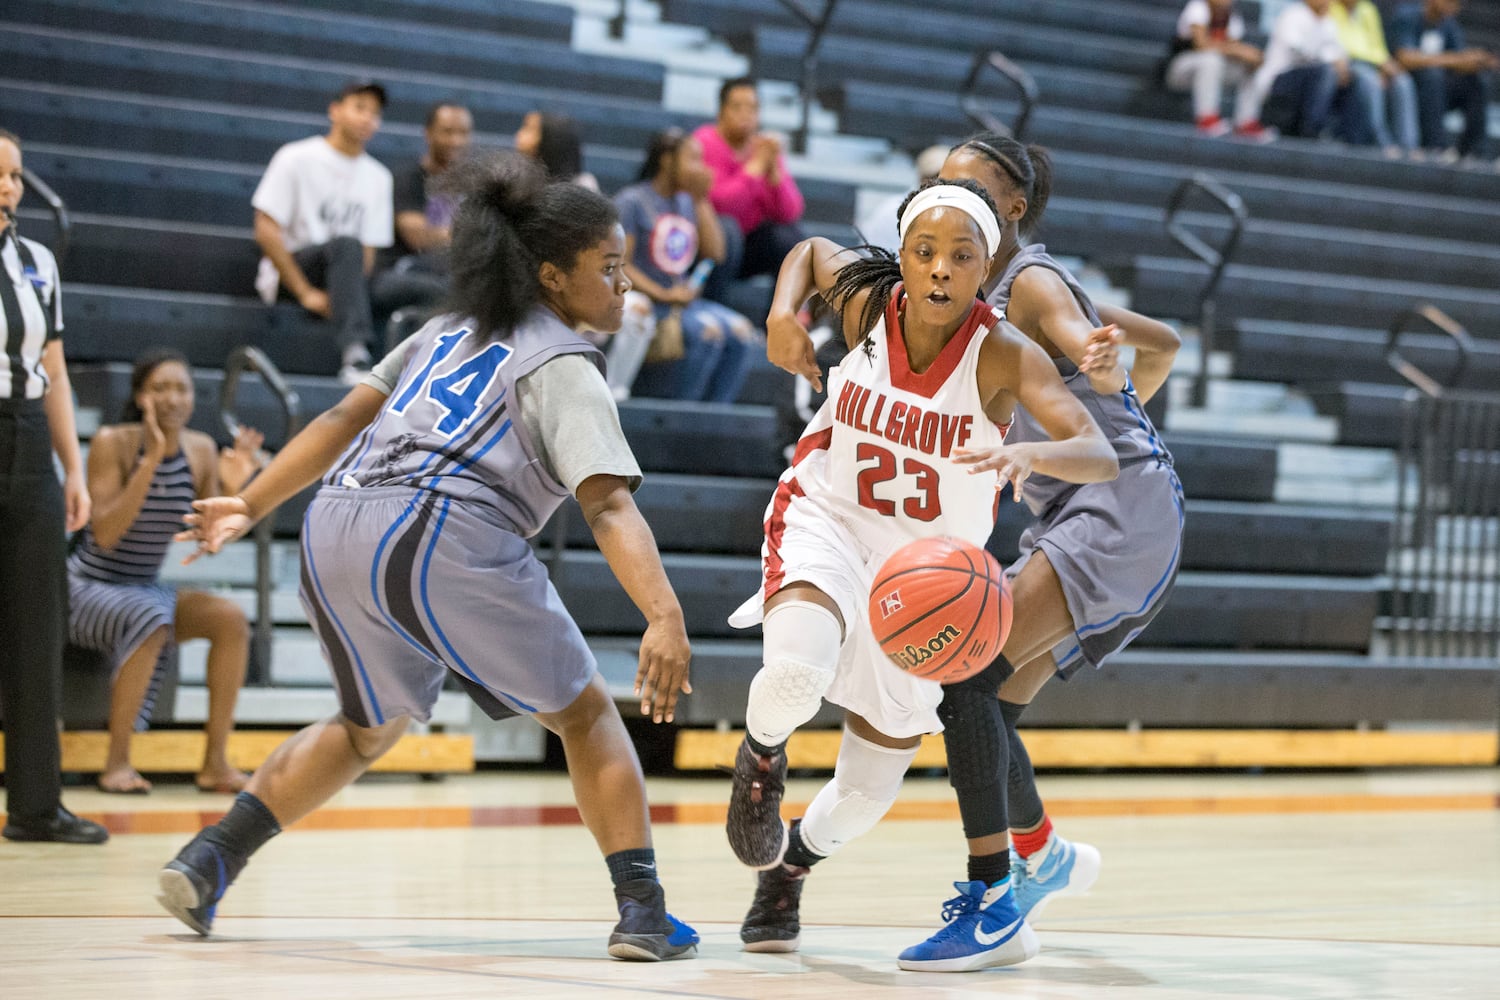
(1366, 884)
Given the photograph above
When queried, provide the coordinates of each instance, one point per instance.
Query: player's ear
(1016, 210)
(551, 277)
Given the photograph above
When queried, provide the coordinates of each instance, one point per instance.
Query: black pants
(33, 609)
(747, 255)
(338, 267)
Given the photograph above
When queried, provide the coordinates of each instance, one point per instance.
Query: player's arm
(1013, 368)
(219, 520)
(1042, 303)
(626, 542)
(1156, 345)
(812, 266)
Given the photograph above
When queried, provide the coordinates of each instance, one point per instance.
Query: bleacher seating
(155, 118)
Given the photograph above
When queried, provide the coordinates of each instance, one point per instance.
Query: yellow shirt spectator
(1360, 30)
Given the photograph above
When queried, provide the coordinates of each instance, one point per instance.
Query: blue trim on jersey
(504, 428)
(427, 606)
(359, 663)
(466, 463)
(1133, 407)
(390, 619)
(369, 433)
(1156, 589)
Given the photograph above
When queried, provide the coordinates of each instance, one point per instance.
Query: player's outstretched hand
(1012, 461)
(214, 523)
(663, 670)
(790, 347)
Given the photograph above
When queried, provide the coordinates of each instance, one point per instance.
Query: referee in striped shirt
(36, 419)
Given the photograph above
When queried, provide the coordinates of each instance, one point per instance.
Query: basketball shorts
(1115, 547)
(406, 586)
(817, 547)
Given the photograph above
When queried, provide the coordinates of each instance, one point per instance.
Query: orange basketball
(941, 609)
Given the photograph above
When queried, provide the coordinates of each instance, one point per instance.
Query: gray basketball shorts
(1115, 547)
(404, 586)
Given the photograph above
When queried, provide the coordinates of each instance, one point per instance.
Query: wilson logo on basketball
(915, 656)
(890, 604)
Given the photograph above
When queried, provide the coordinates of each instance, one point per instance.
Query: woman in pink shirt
(752, 191)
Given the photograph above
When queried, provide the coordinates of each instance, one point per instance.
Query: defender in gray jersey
(415, 563)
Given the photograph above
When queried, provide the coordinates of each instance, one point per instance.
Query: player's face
(943, 262)
(356, 117)
(967, 165)
(592, 294)
(449, 135)
(11, 184)
(170, 389)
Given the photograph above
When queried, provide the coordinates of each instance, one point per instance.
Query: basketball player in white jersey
(909, 445)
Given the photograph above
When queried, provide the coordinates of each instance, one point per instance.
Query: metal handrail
(817, 27)
(1443, 323)
(1026, 90)
(1217, 259)
(252, 359)
(59, 212)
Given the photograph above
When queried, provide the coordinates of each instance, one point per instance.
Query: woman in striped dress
(144, 474)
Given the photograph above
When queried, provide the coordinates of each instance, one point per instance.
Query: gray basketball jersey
(1119, 415)
(453, 424)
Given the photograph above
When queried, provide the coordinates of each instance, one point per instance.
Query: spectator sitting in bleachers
(754, 194)
(1448, 73)
(322, 209)
(669, 223)
(554, 141)
(1388, 87)
(144, 474)
(414, 271)
(1209, 51)
(1305, 84)
(878, 226)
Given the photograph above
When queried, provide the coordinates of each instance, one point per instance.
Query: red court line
(712, 813)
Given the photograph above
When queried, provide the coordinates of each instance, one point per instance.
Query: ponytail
(511, 221)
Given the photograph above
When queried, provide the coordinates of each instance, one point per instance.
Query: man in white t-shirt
(322, 209)
(1209, 51)
(1305, 82)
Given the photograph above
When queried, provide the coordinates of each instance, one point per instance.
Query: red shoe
(1256, 132)
(1212, 126)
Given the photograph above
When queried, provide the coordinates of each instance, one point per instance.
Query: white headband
(953, 196)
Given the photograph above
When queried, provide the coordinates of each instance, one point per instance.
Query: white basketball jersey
(878, 454)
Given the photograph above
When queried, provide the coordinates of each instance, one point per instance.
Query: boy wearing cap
(322, 209)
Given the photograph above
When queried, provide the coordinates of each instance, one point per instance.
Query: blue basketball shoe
(985, 929)
(646, 931)
(1060, 868)
(193, 882)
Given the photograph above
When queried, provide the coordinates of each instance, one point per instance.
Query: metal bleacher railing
(242, 360)
(1446, 544)
(59, 209)
(817, 27)
(1217, 259)
(975, 108)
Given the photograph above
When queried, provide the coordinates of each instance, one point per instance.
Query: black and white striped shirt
(138, 555)
(24, 321)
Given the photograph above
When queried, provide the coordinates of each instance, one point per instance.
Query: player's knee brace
(865, 782)
(974, 734)
(801, 645)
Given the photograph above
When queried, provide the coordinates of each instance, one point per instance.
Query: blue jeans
(1391, 106)
(1306, 99)
(1440, 91)
(714, 362)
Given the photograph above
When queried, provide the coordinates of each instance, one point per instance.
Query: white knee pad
(801, 653)
(865, 782)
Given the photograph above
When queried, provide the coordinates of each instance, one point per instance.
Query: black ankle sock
(797, 851)
(761, 748)
(245, 828)
(989, 868)
(630, 865)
